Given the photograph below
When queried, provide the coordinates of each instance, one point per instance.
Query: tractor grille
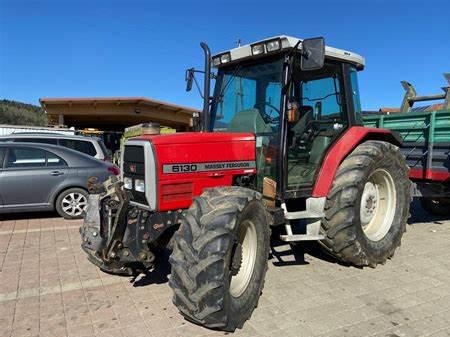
(134, 168)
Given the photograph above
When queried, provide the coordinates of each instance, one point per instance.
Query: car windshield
(247, 97)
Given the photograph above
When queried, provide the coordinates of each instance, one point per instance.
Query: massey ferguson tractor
(280, 142)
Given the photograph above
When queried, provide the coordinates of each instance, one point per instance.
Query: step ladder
(313, 214)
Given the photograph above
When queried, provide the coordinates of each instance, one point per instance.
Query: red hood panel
(187, 163)
(198, 137)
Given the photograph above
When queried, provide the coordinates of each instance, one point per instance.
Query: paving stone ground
(48, 288)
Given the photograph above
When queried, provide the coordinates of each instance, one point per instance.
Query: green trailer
(426, 145)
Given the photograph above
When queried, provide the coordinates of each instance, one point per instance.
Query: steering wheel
(268, 118)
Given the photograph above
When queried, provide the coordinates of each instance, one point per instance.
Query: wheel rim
(249, 244)
(378, 203)
(74, 204)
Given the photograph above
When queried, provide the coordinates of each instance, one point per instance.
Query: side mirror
(189, 78)
(313, 54)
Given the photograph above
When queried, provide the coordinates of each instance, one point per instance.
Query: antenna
(238, 42)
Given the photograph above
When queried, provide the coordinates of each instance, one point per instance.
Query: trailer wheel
(220, 255)
(367, 208)
(436, 206)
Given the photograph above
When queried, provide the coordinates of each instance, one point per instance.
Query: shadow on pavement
(284, 254)
(419, 216)
(156, 276)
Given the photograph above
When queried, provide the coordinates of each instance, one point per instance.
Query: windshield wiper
(232, 77)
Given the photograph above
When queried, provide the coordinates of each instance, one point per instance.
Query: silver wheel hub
(369, 202)
(74, 204)
(247, 239)
(378, 204)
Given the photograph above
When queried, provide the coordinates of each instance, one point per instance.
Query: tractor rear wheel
(219, 258)
(367, 208)
(436, 206)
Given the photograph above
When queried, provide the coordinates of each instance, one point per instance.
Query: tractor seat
(249, 120)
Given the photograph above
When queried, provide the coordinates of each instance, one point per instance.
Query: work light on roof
(273, 45)
(221, 59)
(258, 49)
(224, 58)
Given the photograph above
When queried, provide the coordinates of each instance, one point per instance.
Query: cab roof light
(258, 49)
(224, 58)
(273, 45)
(221, 59)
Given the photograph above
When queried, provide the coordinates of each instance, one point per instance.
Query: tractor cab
(296, 96)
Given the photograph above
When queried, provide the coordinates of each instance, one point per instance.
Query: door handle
(56, 173)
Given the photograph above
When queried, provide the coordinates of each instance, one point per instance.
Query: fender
(342, 148)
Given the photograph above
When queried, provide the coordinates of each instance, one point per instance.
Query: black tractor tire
(64, 196)
(436, 206)
(204, 255)
(345, 237)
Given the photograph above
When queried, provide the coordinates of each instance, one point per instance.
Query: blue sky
(142, 48)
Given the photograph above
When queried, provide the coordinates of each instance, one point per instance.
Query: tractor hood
(187, 163)
(197, 137)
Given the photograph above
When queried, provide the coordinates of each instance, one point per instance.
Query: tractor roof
(245, 51)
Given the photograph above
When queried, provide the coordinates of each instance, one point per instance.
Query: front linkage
(122, 238)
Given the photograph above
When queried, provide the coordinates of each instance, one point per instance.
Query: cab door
(323, 117)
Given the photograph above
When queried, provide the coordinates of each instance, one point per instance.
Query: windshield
(247, 97)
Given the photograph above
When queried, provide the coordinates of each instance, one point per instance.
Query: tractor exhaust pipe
(206, 89)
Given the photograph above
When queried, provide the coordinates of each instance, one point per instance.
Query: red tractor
(280, 142)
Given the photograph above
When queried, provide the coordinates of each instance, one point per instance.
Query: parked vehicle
(425, 144)
(7, 129)
(282, 144)
(92, 146)
(42, 177)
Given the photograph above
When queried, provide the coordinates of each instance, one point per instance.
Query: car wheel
(72, 203)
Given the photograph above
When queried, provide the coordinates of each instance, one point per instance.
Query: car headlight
(127, 183)
(139, 185)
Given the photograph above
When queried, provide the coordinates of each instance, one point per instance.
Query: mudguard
(342, 148)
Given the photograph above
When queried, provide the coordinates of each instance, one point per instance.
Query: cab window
(322, 118)
(355, 95)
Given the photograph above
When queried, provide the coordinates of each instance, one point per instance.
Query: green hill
(16, 113)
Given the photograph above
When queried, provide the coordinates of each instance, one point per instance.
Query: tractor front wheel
(367, 208)
(219, 258)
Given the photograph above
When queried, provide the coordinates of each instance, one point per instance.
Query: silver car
(42, 177)
(92, 146)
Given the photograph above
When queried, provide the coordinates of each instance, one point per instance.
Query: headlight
(216, 61)
(127, 183)
(225, 58)
(273, 45)
(258, 49)
(139, 185)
